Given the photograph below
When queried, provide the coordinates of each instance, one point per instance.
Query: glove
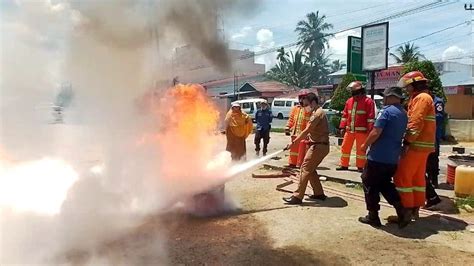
(287, 131)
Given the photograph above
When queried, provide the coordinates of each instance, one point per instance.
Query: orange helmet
(411, 77)
(355, 86)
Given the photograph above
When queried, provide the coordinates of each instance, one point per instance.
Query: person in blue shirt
(264, 119)
(432, 164)
(385, 142)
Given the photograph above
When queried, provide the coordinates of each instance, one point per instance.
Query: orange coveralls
(358, 120)
(410, 176)
(297, 121)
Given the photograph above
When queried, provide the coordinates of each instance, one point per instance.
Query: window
(295, 103)
(245, 105)
(327, 105)
(288, 104)
(279, 103)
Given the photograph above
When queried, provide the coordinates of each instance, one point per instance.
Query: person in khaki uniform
(317, 131)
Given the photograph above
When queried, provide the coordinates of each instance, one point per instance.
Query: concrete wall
(460, 106)
(461, 130)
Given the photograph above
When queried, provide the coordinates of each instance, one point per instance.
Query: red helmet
(303, 92)
(355, 86)
(411, 77)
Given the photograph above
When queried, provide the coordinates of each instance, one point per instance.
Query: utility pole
(471, 8)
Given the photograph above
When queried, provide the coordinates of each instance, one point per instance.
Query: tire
(280, 116)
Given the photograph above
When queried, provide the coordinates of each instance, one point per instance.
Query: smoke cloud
(125, 165)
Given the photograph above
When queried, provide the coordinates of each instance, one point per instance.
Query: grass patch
(277, 130)
(461, 202)
(464, 201)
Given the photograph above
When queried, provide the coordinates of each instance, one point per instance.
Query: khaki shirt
(318, 124)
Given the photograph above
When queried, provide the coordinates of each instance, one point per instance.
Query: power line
(433, 33)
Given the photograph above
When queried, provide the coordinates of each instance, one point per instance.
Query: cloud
(244, 32)
(265, 41)
(338, 44)
(453, 52)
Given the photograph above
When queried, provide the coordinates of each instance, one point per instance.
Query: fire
(192, 113)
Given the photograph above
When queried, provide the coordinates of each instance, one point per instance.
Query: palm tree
(296, 71)
(312, 33)
(282, 54)
(336, 65)
(407, 53)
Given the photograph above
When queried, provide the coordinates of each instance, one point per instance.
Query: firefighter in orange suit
(419, 142)
(298, 118)
(357, 121)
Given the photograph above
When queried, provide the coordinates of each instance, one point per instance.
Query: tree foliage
(337, 65)
(295, 70)
(407, 53)
(341, 94)
(429, 70)
(312, 34)
(309, 65)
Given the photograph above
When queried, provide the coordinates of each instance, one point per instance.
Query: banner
(375, 47)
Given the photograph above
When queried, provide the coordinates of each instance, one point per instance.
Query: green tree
(407, 53)
(282, 54)
(312, 34)
(336, 65)
(320, 69)
(341, 94)
(295, 71)
(429, 71)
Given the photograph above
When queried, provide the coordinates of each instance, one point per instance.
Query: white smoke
(111, 52)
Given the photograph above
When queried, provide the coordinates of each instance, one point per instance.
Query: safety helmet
(411, 77)
(355, 86)
(303, 93)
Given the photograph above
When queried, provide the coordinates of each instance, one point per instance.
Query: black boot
(293, 200)
(404, 215)
(415, 213)
(372, 219)
(432, 202)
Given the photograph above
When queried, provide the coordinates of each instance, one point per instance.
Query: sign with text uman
(375, 47)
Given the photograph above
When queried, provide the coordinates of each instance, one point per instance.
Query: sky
(274, 24)
(271, 24)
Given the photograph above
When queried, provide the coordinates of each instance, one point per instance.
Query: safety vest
(298, 119)
(421, 129)
(358, 114)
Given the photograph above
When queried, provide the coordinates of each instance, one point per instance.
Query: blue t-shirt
(263, 119)
(387, 148)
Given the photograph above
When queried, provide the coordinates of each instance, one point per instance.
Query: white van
(281, 107)
(250, 106)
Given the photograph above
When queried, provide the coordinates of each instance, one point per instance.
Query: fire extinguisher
(302, 148)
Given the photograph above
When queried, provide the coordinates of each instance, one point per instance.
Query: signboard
(354, 55)
(386, 78)
(375, 47)
(452, 90)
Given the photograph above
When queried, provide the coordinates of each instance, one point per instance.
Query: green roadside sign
(354, 58)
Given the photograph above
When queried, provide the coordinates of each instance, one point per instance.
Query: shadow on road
(330, 202)
(425, 227)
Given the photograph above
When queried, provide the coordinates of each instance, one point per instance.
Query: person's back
(388, 146)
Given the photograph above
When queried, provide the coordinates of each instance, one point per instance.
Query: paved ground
(264, 231)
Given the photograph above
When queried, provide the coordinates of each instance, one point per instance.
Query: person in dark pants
(385, 141)
(264, 119)
(432, 164)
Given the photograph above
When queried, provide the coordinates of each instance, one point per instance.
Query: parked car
(250, 106)
(281, 107)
